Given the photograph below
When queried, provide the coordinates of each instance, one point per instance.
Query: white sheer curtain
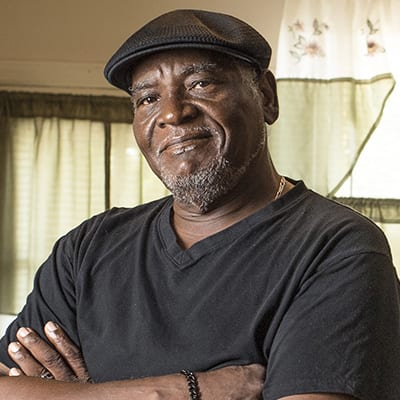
(55, 181)
(334, 76)
(58, 171)
(132, 181)
(337, 63)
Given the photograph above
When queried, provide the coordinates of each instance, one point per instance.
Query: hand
(35, 357)
(4, 370)
(233, 383)
(64, 361)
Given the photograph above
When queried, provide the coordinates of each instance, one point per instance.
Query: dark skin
(207, 97)
(64, 360)
(170, 98)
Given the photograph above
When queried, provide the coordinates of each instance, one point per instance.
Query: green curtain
(324, 125)
(106, 109)
(64, 158)
(386, 211)
(337, 62)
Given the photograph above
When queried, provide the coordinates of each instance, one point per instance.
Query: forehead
(182, 61)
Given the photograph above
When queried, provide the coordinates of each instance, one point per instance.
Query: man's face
(198, 119)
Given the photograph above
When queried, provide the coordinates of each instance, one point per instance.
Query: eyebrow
(187, 70)
(139, 86)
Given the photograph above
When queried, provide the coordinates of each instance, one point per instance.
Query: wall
(62, 46)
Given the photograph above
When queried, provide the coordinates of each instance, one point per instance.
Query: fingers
(35, 357)
(21, 356)
(15, 372)
(4, 370)
(67, 349)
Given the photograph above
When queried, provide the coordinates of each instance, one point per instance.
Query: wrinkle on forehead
(196, 68)
(187, 70)
(183, 63)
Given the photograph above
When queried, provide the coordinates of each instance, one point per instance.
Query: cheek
(142, 131)
(139, 139)
(145, 141)
(238, 109)
(244, 129)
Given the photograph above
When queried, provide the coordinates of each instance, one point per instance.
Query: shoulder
(114, 223)
(362, 231)
(325, 234)
(120, 216)
(339, 225)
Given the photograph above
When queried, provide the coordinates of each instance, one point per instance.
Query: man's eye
(146, 100)
(200, 84)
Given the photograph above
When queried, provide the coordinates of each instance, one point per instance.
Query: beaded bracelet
(194, 391)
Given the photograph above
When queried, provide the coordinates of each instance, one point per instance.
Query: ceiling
(54, 45)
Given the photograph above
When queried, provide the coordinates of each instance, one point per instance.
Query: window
(64, 159)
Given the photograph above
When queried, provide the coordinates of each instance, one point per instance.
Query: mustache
(184, 134)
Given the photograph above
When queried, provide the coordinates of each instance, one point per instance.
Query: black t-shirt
(305, 286)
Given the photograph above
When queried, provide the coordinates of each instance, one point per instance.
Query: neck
(254, 191)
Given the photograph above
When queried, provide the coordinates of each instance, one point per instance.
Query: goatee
(205, 186)
(202, 188)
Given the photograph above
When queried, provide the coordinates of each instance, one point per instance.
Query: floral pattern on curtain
(335, 75)
(334, 78)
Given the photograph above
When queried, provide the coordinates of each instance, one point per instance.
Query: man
(239, 268)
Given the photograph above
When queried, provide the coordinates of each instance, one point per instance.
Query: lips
(184, 141)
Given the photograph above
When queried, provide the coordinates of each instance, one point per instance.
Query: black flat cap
(188, 29)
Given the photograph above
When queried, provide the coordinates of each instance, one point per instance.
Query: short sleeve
(52, 298)
(341, 333)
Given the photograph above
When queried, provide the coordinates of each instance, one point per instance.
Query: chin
(203, 188)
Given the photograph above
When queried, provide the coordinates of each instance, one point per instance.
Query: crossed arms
(72, 381)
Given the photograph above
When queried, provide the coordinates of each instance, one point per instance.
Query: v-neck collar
(183, 258)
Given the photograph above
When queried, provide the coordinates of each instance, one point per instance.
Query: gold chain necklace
(282, 184)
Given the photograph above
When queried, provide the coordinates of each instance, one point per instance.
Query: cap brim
(119, 73)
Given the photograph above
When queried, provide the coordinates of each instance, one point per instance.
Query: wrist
(193, 385)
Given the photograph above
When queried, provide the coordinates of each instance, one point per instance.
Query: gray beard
(202, 188)
(205, 186)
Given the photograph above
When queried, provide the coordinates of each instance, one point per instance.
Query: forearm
(229, 383)
(71, 381)
(172, 387)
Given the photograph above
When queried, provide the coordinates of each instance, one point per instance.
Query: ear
(270, 101)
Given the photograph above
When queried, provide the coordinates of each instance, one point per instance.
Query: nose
(176, 111)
